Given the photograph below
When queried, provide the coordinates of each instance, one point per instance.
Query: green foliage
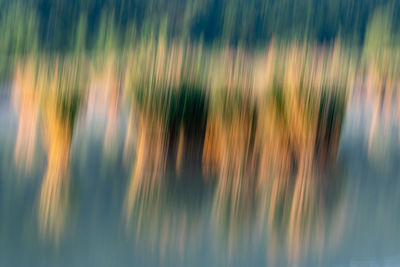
(19, 28)
(63, 25)
(79, 41)
(378, 35)
(381, 47)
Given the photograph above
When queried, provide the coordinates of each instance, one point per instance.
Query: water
(350, 215)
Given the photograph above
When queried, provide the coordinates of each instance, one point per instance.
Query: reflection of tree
(149, 109)
(227, 155)
(55, 88)
(55, 187)
(164, 125)
(266, 170)
(162, 222)
(148, 168)
(263, 184)
(267, 153)
(60, 108)
(266, 141)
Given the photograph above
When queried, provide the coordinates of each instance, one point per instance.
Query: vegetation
(61, 24)
(262, 90)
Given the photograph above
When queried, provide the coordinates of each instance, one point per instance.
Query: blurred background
(199, 133)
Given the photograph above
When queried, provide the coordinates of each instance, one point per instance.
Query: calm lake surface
(353, 218)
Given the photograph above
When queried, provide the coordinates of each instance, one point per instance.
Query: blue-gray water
(357, 226)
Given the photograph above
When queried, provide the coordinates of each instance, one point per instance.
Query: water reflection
(245, 145)
(26, 102)
(54, 92)
(104, 97)
(267, 153)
